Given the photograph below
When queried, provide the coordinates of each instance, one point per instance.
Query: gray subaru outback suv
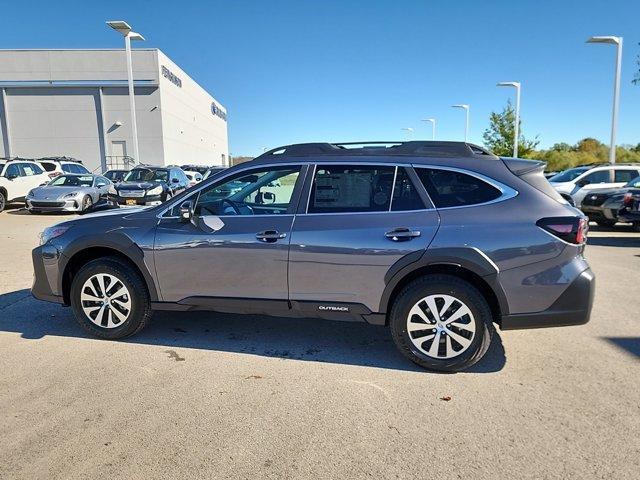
(437, 240)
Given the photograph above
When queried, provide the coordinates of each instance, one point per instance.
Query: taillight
(627, 199)
(569, 229)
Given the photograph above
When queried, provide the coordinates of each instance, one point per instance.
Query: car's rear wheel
(109, 298)
(441, 323)
(3, 201)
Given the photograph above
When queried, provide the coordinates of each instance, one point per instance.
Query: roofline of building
(75, 49)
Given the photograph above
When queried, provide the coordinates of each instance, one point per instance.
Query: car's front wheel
(87, 203)
(3, 201)
(441, 323)
(109, 298)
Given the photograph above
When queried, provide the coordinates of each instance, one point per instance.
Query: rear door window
(449, 188)
(624, 175)
(405, 193)
(351, 188)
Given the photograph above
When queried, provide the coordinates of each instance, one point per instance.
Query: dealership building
(75, 103)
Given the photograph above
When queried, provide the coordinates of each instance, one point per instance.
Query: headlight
(70, 195)
(51, 232)
(155, 191)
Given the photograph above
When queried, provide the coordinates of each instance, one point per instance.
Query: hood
(51, 193)
(137, 185)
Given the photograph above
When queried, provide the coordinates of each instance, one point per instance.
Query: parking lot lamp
(124, 28)
(433, 126)
(466, 121)
(617, 41)
(409, 131)
(516, 85)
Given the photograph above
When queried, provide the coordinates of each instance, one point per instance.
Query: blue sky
(293, 71)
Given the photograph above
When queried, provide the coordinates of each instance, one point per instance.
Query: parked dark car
(437, 240)
(150, 185)
(602, 206)
(630, 210)
(116, 175)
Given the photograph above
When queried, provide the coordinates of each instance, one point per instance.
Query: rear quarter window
(448, 188)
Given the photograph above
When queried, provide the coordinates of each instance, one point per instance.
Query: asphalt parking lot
(205, 395)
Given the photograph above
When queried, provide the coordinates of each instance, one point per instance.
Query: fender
(116, 241)
(468, 258)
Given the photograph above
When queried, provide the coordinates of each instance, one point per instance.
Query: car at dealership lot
(201, 169)
(17, 178)
(576, 183)
(193, 176)
(116, 175)
(150, 185)
(602, 206)
(437, 240)
(55, 166)
(630, 210)
(69, 193)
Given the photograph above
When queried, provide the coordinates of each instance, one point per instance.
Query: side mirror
(268, 197)
(582, 183)
(186, 211)
(11, 176)
(175, 180)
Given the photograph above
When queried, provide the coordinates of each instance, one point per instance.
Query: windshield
(72, 181)
(635, 183)
(147, 175)
(568, 175)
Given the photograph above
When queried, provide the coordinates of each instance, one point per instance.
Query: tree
(499, 136)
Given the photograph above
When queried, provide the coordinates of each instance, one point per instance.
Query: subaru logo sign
(218, 112)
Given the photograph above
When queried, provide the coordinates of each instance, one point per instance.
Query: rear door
(357, 222)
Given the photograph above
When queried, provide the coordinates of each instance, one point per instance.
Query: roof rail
(411, 148)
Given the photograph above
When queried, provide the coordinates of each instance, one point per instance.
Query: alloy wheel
(441, 326)
(105, 300)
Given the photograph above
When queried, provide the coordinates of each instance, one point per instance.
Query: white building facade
(75, 103)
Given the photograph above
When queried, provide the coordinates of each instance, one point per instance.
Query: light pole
(433, 126)
(617, 41)
(124, 28)
(466, 122)
(409, 131)
(516, 85)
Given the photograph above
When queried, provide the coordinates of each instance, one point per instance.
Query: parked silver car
(68, 193)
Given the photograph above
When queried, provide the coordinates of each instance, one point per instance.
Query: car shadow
(285, 338)
(626, 241)
(629, 344)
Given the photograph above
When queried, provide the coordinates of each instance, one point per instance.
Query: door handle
(270, 236)
(402, 234)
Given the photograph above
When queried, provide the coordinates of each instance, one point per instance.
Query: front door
(360, 220)
(237, 243)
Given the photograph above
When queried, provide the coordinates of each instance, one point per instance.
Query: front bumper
(143, 201)
(62, 205)
(630, 216)
(46, 260)
(573, 307)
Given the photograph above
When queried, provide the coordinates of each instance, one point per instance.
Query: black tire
(447, 285)
(3, 201)
(635, 226)
(606, 223)
(140, 313)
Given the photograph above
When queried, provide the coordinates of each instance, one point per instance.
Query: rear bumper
(573, 307)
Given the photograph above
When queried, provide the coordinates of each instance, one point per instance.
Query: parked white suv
(17, 178)
(55, 167)
(578, 182)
